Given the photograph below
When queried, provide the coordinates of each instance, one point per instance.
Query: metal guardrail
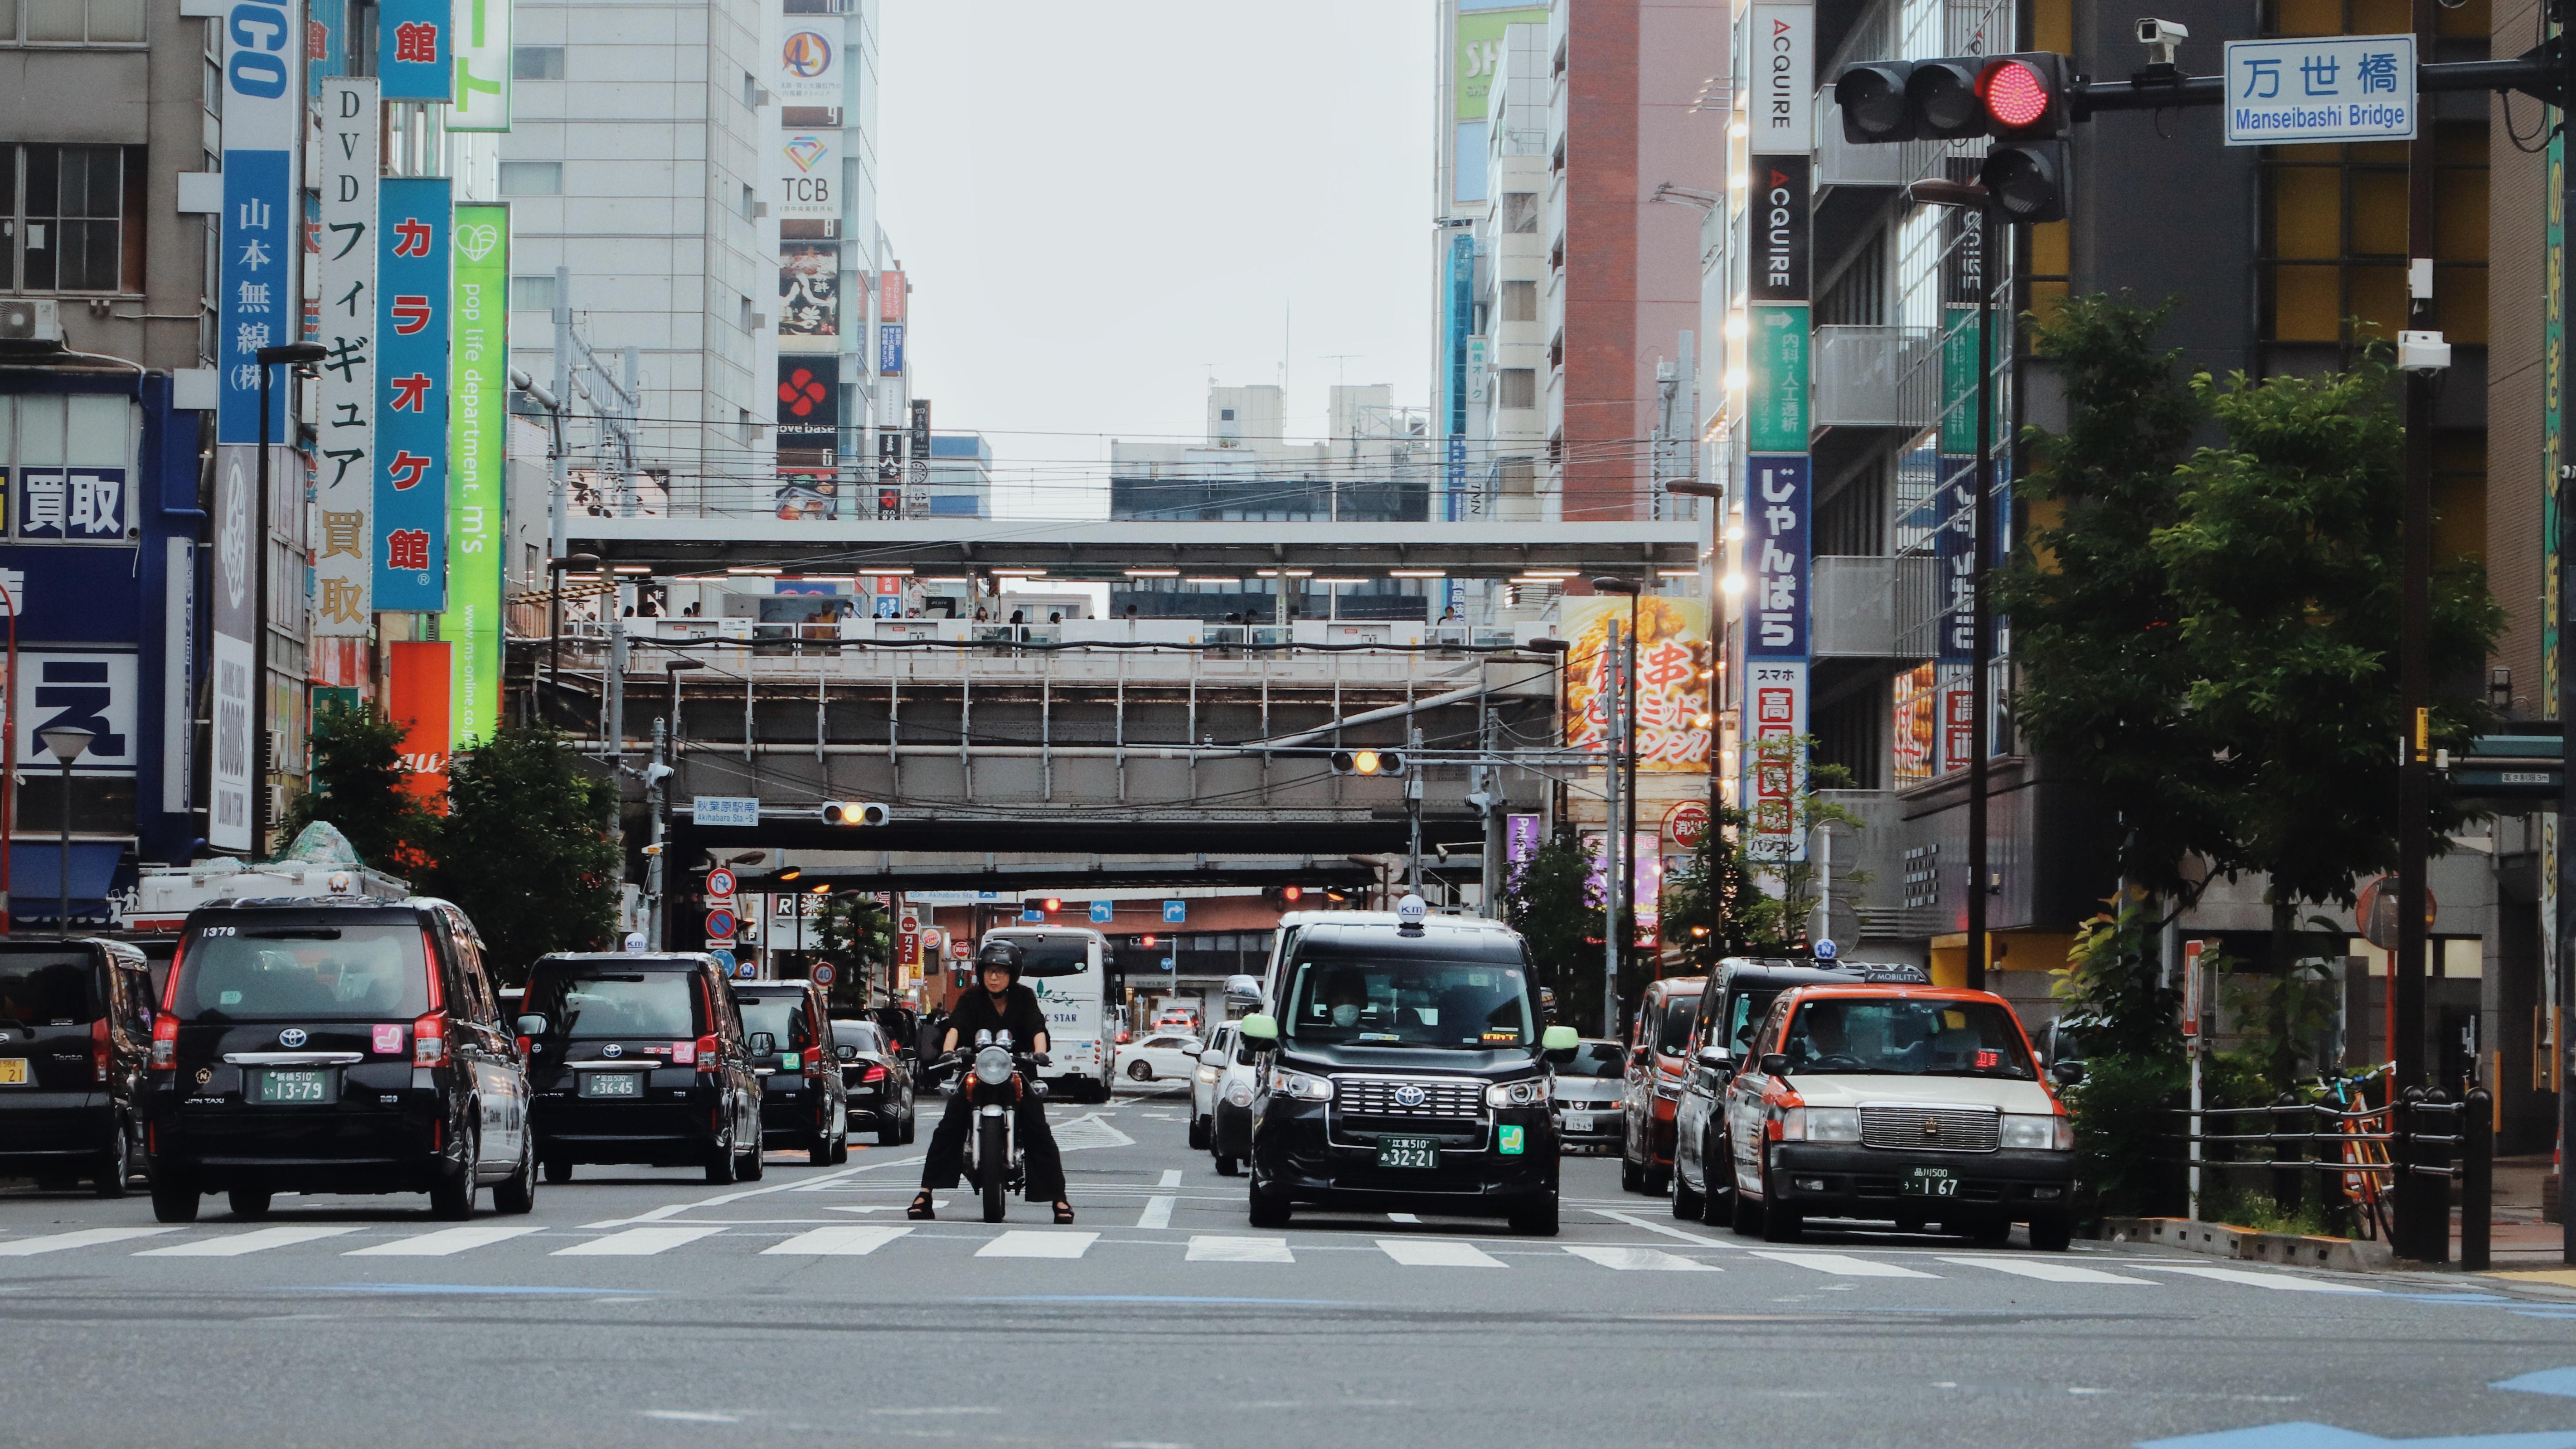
(2373, 1146)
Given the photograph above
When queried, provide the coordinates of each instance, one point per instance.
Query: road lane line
(234, 1245)
(1667, 1229)
(849, 1240)
(1843, 1264)
(670, 1209)
(1038, 1243)
(1213, 1248)
(2278, 1282)
(638, 1242)
(1652, 1260)
(1157, 1213)
(1437, 1253)
(2048, 1272)
(1402, 1218)
(440, 1244)
(85, 1238)
(1171, 1177)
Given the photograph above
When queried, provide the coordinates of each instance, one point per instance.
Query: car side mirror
(2068, 1073)
(532, 1026)
(1774, 1065)
(1260, 1027)
(762, 1043)
(1715, 1060)
(1558, 1044)
(847, 1052)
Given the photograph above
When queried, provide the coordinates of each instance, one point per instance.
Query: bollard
(2408, 1238)
(2477, 1178)
(2289, 1184)
(2435, 1158)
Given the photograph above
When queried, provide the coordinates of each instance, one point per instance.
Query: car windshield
(49, 988)
(1906, 1037)
(1410, 1003)
(1673, 1032)
(778, 1015)
(313, 972)
(1595, 1059)
(599, 1003)
(1743, 1015)
(857, 1036)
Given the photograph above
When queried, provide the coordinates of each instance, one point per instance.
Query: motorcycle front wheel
(993, 1164)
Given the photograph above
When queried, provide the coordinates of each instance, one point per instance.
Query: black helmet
(999, 954)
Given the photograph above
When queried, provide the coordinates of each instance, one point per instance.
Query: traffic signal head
(853, 812)
(2024, 95)
(1368, 762)
(1872, 97)
(2014, 97)
(2029, 181)
(1941, 98)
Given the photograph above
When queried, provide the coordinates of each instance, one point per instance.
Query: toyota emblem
(612, 1050)
(1410, 1095)
(293, 1036)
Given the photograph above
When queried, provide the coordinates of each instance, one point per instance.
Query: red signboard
(1687, 824)
(419, 703)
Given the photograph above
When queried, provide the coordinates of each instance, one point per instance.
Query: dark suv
(640, 1057)
(75, 1035)
(803, 1103)
(334, 1045)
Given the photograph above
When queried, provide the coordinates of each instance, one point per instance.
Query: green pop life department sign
(478, 427)
(1775, 379)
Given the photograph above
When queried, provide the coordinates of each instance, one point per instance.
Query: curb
(2217, 1240)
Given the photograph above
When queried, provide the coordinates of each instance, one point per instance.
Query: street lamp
(1968, 196)
(291, 354)
(554, 620)
(1623, 777)
(67, 742)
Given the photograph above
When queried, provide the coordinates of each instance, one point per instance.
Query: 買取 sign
(2320, 89)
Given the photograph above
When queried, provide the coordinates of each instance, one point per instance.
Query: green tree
(854, 934)
(1714, 906)
(1551, 902)
(361, 786)
(525, 850)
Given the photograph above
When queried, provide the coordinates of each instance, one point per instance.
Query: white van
(1070, 969)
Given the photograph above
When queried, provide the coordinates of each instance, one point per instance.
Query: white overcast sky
(1101, 205)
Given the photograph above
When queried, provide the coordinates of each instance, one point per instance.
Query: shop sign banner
(809, 174)
(809, 295)
(1672, 693)
(483, 66)
(263, 109)
(344, 487)
(1775, 396)
(418, 700)
(412, 325)
(1777, 556)
(809, 65)
(1775, 708)
(1784, 84)
(233, 609)
(479, 307)
(414, 50)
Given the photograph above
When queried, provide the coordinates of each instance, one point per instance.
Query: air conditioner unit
(29, 323)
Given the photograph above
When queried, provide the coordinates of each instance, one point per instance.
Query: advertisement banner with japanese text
(234, 615)
(412, 324)
(1777, 556)
(809, 63)
(263, 110)
(1672, 683)
(478, 424)
(1775, 391)
(1775, 767)
(344, 490)
(809, 174)
(413, 50)
(483, 66)
(809, 296)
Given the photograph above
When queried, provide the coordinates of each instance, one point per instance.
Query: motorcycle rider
(1002, 1005)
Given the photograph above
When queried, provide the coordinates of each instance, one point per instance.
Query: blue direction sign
(1103, 911)
(2320, 89)
(1176, 913)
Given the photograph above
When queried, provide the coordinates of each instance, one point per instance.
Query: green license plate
(1408, 1152)
(612, 1084)
(1927, 1182)
(274, 1088)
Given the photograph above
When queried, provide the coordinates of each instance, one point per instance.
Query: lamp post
(292, 354)
(1625, 762)
(66, 742)
(554, 618)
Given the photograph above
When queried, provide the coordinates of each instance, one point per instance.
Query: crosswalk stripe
(1652, 1260)
(1038, 1243)
(636, 1242)
(85, 1238)
(440, 1244)
(1843, 1264)
(2048, 1272)
(1171, 1177)
(1211, 1248)
(1157, 1213)
(259, 1240)
(855, 1240)
(2279, 1282)
(1437, 1253)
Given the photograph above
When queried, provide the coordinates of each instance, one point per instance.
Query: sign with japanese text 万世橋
(2320, 89)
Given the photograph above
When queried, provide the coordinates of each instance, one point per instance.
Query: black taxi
(640, 1057)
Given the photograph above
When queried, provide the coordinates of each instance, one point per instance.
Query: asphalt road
(641, 1308)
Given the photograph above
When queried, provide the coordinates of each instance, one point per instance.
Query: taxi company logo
(293, 1036)
(612, 1050)
(1410, 1095)
(1931, 1127)
(205, 1075)
(805, 151)
(477, 241)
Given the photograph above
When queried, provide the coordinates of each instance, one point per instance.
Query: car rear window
(1595, 1059)
(1052, 955)
(594, 1003)
(49, 988)
(858, 1036)
(310, 971)
(779, 1015)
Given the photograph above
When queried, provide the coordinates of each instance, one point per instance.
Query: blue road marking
(487, 1288)
(2326, 1436)
(2559, 1381)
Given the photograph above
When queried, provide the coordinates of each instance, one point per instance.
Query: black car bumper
(679, 1130)
(407, 1148)
(871, 1107)
(1821, 1180)
(791, 1115)
(1298, 1154)
(1230, 1129)
(40, 1129)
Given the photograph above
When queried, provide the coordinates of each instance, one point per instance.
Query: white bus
(1072, 970)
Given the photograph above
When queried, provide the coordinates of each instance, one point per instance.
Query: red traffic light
(1051, 905)
(2015, 95)
(1292, 892)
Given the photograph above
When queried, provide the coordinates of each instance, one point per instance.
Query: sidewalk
(2517, 1236)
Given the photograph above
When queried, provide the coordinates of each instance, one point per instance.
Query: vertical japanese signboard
(344, 486)
(479, 310)
(1778, 561)
(417, 699)
(412, 327)
(482, 48)
(234, 610)
(414, 50)
(809, 174)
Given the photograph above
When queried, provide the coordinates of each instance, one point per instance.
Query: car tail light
(429, 1041)
(873, 1074)
(98, 1047)
(165, 1041)
(710, 1053)
(817, 1064)
(523, 1046)
(429, 961)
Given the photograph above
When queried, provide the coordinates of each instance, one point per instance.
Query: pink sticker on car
(389, 1040)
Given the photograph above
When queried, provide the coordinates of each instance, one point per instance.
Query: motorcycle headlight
(992, 1066)
(1527, 1092)
(2031, 1132)
(1300, 1085)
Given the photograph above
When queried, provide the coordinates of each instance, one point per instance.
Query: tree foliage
(525, 850)
(854, 934)
(361, 786)
(1714, 905)
(1549, 899)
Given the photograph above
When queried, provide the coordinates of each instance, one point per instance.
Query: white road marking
(855, 1240)
(440, 1244)
(638, 1242)
(2048, 1272)
(1089, 1130)
(233, 1246)
(1437, 1253)
(817, 1184)
(1037, 1243)
(1402, 1218)
(85, 1238)
(1667, 1229)
(1842, 1263)
(2279, 1282)
(1654, 1260)
(1157, 1213)
(1208, 1248)
(1171, 1177)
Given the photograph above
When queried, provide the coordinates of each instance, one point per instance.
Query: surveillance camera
(2163, 40)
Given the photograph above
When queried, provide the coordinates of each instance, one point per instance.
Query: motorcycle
(995, 1079)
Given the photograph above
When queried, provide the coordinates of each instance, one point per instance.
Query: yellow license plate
(13, 1071)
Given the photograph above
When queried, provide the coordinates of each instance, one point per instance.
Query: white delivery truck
(1071, 970)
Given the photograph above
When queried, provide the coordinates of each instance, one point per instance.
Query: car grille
(1378, 1097)
(1931, 1129)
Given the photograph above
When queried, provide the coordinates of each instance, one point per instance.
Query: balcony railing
(1855, 601)
(1876, 377)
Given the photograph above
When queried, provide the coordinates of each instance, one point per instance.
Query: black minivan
(803, 1101)
(75, 1035)
(640, 1057)
(334, 1044)
(1406, 1067)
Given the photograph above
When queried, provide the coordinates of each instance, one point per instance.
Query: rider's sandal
(1063, 1213)
(920, 1209)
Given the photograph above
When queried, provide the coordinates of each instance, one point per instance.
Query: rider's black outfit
(1022, 1018)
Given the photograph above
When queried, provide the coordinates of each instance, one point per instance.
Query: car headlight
(1301, 1086)
(1820, 1124)
(1208, 1075)
(2031, 1132)
(1240, 1094)
(1527, 1092)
